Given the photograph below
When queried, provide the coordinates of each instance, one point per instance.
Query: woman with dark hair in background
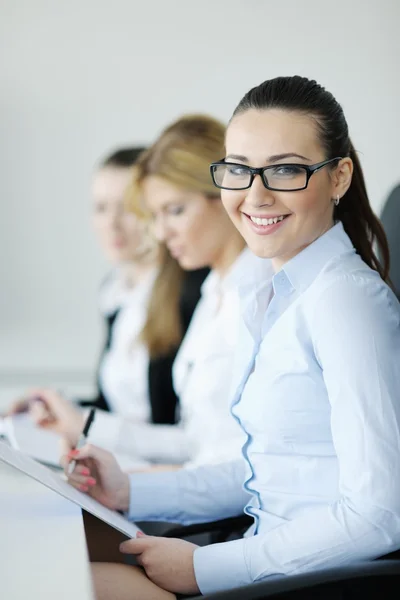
(317, 378)
(134, 375)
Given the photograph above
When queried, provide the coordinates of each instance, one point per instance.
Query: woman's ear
(341, 177)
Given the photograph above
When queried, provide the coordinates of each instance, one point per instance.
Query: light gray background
(80, 77)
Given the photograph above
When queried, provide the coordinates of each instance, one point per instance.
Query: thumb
(141, 534)
(64, 450)
(135, 546)
(39, 412)
(18, 406)
(89, 451)
(37, 394)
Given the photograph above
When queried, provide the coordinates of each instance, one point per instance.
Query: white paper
(54, 481)
(45, 446)
(24, 435)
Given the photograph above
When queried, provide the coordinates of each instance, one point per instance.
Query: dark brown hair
(123, 157)
(354, 211)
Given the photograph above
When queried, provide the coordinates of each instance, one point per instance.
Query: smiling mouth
(266, 220)
(266, 225)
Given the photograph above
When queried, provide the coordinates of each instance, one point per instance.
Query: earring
(337, 200)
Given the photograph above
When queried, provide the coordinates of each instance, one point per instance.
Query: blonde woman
(174, 192)
(134, 375)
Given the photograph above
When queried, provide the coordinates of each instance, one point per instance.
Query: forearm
(189, 496)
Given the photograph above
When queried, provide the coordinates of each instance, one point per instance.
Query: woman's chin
(261, 249)
(191, 264)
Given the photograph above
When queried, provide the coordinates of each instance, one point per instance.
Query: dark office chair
(370, 580)
(390, 218)
(218, 531)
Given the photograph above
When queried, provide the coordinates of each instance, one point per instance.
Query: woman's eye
(176, 210)
(287, 171)
(237, 171)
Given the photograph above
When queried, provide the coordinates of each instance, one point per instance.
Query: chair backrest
(390, 218)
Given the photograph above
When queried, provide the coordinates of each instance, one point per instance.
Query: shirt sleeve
(356, 335)
(189, 496)
(141, 441)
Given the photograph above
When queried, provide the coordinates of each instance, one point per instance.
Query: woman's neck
(230, 250)
(134, 272)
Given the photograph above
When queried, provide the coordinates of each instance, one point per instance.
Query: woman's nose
(258, 195)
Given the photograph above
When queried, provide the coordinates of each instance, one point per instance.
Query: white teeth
(259, 221)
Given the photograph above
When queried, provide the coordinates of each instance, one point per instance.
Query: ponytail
(361, 224)
(162, 332)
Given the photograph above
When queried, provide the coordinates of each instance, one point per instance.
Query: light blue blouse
(317, 392)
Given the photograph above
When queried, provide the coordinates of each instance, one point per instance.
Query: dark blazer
(163, 399)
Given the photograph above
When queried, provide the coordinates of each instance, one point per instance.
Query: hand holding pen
(98, 474)
(51, 410)
(82, 438)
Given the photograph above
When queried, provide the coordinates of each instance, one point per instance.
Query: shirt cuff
(154, 497)
(221, 567)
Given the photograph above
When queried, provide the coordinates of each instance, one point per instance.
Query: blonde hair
(181, 156)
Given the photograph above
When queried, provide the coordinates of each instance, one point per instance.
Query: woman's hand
(50, 410)
(168, 562)
(21, 405)
(97, 473)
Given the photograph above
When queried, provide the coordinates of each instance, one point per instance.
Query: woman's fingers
(79, 486)
(65, 448)
(82, 480)
(81, 477)
(40, 413)
(90, 451)
(82, 470)
(79, 468)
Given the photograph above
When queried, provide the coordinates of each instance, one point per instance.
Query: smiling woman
(316, 378)
(302, 155)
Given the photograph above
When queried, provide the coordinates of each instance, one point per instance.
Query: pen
(82, 438)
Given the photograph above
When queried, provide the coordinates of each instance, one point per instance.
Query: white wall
(79, 77)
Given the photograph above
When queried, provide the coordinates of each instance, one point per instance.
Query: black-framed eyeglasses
(284, 177)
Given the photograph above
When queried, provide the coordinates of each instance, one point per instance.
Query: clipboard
(54, 481)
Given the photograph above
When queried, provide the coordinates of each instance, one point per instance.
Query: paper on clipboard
(44, 446)
(54, 481)
(24, 435)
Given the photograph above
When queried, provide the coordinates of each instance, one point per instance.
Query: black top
(163, 399)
